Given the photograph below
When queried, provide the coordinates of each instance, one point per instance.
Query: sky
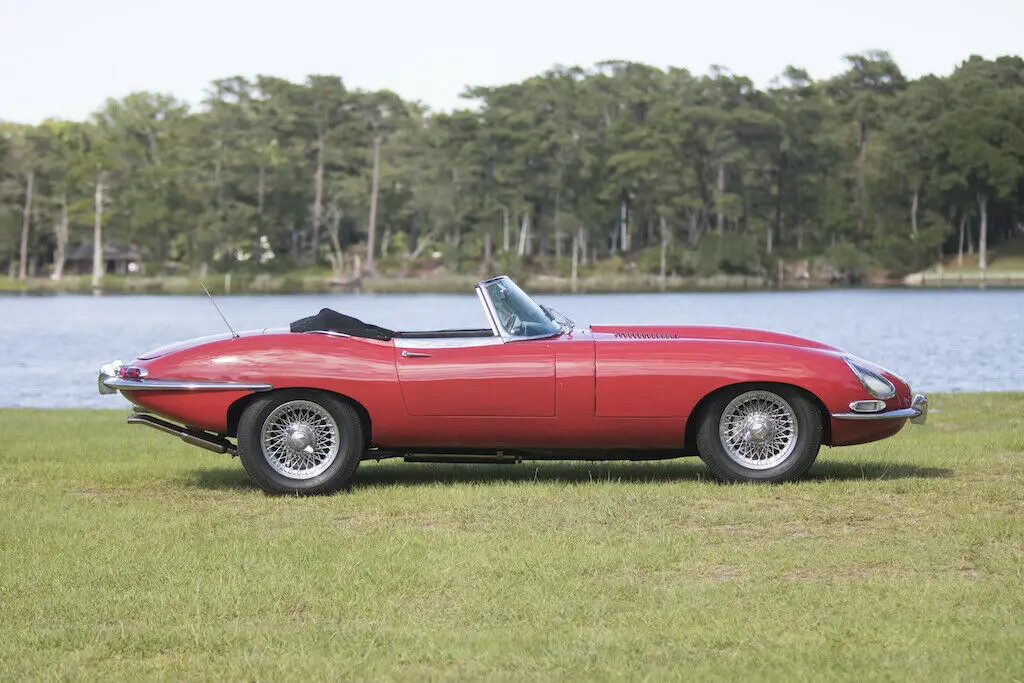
(63, 58)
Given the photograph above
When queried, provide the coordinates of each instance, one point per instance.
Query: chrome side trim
(427, 342)
(118, 384)
(446, 343)
(536, 336)
(916, 413)
(329, 333)
(901, 414)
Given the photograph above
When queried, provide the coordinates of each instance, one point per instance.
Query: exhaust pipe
(205, 440)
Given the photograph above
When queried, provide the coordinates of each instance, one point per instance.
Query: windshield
(518, 314)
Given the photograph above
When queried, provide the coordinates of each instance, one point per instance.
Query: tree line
(619, 164)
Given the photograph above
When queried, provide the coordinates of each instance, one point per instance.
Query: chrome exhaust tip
(210, 442)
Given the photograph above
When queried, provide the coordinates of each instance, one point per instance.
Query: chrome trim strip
(916, 413)
(329, 333)
(488, 309)
(427, 342)
(118, 384)
(446, 343)
(901, 414)
(492, 312)
(536, 336)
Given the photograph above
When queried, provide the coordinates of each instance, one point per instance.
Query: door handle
(414, 354)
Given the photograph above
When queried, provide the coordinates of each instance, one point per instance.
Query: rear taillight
(131, 372)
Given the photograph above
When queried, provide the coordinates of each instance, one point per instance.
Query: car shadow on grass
(689, 469)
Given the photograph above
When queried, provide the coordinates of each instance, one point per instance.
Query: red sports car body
(306, 404)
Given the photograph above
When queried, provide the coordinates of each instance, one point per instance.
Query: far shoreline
(243, 284)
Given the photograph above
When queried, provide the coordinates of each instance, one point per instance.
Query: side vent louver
(646, 335)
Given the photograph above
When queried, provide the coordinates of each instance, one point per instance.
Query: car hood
(644, 332)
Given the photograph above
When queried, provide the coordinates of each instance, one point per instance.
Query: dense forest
(620, 166)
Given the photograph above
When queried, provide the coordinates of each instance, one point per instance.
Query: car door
(486, 377)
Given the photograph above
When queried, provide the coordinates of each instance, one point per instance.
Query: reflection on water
(958, 340)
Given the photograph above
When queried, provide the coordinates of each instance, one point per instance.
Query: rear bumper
(917, 413)
(109, 382)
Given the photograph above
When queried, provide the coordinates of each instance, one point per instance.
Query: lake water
(951, 340)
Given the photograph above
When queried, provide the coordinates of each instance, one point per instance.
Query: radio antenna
(219, 312)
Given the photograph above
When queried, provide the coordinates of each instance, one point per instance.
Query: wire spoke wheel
(300, 439)
(758, 430)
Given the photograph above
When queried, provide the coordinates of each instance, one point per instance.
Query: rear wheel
(769, 434)
(303, 442)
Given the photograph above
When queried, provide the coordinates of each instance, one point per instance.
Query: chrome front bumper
(917, 413)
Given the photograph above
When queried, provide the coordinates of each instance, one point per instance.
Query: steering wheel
(512, 323)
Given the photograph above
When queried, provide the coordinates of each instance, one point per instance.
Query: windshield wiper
(566, 323)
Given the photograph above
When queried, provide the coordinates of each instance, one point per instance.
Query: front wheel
(767, 434)
(302, 442)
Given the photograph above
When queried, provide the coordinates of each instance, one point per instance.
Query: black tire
(788, 467)
(334, 476)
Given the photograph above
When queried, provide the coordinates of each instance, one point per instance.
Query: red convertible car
(306, 404)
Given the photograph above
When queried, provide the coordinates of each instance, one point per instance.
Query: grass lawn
(125, 553)
(1006, 256)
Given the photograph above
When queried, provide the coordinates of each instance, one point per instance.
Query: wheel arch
(236, 409)
(693, 421)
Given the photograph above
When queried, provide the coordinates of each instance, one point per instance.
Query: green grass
(1010, 263)
(127, 554)
(1006, 257)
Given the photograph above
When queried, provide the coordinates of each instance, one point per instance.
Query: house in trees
(118, 259)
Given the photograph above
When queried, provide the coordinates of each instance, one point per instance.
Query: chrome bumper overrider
(108, 383)
(916, 413)
(108, 371)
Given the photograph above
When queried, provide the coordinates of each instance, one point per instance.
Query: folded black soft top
(332, 321)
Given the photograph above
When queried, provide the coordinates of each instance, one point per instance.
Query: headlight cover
(870, 376)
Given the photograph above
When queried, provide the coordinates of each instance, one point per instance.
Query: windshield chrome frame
(492, 313)
(492, 316)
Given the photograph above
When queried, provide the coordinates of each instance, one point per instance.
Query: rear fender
(359, 370)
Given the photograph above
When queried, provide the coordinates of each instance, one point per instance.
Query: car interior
(328, 320)
(517, 314)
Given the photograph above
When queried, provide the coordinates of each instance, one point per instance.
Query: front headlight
(872, 378)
